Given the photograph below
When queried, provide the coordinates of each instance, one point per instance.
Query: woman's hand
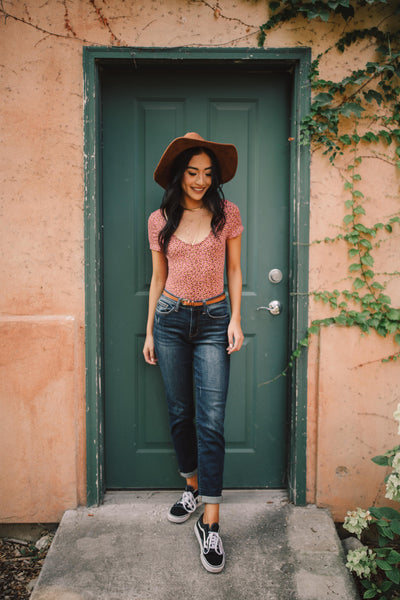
(148, 350)
(235, 336)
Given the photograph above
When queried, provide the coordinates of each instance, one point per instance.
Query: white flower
(357, 520)
(396, 462)
(393, 487)
(396, 415)
(362, 562)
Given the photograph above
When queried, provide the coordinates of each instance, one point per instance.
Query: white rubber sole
(206, 565)
(175, 519)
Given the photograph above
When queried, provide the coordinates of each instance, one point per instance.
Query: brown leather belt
(195, 302)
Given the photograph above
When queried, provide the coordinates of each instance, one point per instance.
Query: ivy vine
(362, 109)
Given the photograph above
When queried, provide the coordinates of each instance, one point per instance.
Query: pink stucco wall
(352, 395)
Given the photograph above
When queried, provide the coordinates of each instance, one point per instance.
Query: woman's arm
(158, 279)
(234, 274)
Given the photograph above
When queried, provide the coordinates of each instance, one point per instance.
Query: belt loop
(178, 305)
(204, 307)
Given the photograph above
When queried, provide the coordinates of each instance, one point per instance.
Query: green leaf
(394, 556)
(323, 13)
(370, 137)
(341, 320)
(367, 259)
(348, 185)
(386, 136)
(382, 564)
(354, 267)
(370, 593)
(393, 314)
(352, 238)
(323, 99)
(353, 252)
(348, 219)
(345, 139)
(381, 460)
(393, 575)
(359, 283)
(358, 194)
(313, 329)
(385, 586)
(397, 338)
(385, 512)
(360, 227)
(381, 540)
(359, 210)
(368, 273)
(351, 108)
(366, 243)
(373, 95)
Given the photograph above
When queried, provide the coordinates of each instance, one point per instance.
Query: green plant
(378, 568)
(360, 112)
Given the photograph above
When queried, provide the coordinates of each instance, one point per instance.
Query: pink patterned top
(196, 272)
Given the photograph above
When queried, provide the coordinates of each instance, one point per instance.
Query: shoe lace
(188, 501)
(213, 543)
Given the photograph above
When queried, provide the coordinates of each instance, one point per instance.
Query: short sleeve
(155, 224)
(233, 225)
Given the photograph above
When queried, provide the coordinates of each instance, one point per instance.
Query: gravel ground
(20, 565)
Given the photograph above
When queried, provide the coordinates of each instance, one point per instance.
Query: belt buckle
(190, 302)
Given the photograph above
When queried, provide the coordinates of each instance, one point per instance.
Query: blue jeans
(190, 344)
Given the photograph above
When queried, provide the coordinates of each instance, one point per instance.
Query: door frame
(299, 61)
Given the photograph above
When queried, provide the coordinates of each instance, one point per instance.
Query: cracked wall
(351, 394)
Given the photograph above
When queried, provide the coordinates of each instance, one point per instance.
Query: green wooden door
(142, 112)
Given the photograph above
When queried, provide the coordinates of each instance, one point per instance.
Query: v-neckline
(190, 243)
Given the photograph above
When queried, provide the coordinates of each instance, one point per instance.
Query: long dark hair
(171, 206)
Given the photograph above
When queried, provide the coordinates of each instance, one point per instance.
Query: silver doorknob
(274, 307)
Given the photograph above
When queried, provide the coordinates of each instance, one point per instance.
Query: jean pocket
(219, 310)
(164, 306)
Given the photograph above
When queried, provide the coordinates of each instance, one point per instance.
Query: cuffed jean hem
(187, 475)
(211, 499)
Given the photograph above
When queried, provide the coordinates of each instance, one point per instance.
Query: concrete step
(126, 549)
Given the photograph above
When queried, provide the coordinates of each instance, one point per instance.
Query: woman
(189, 330)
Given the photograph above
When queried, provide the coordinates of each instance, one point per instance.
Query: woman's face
(196, 180)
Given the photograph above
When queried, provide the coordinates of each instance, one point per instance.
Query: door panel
(142, 113)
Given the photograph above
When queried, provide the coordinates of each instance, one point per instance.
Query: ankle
(211, 514)
(193, 482)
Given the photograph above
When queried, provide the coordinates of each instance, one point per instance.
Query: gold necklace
(193, 209)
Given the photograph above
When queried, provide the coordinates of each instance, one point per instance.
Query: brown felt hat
(226, 155)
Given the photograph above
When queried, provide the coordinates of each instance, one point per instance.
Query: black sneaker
(181, 510)
(212, 553)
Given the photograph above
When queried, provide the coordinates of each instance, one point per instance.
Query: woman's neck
(193, 209)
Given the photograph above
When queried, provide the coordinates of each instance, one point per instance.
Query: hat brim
(226, 155)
